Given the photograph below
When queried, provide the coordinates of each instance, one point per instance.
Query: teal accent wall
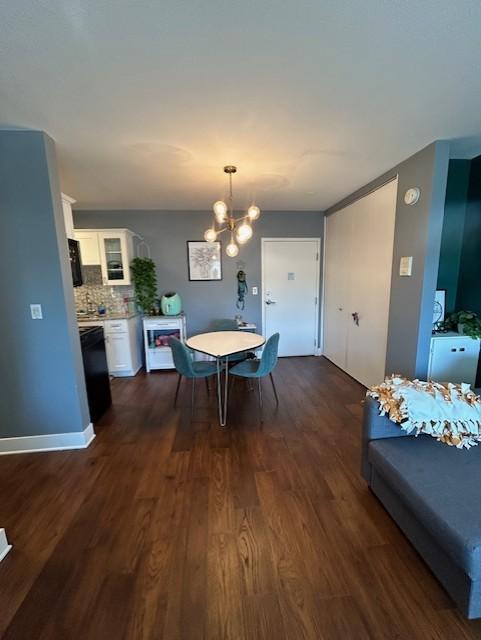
(453, 230)
(469, 282)
(460, 259)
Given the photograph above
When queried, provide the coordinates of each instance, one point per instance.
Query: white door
(290, 290)
(373, 234)
(336, 286)
(357, 283)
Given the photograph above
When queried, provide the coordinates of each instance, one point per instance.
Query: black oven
(75, 264)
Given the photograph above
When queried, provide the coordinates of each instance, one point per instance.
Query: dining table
(221, 345)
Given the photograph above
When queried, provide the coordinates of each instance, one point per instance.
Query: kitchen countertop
(103, 318)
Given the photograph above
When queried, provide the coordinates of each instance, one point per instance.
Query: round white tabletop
(220, 344)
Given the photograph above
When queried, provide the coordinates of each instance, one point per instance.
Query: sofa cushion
(442, 487)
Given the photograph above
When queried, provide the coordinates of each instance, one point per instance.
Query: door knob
(270, 302)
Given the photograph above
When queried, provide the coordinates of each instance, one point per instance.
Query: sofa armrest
(375, 427)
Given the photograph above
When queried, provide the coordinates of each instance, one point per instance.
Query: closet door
(370, 284)
(336, 286)
(357, 284)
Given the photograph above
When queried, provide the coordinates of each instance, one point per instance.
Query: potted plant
(467, 323)
(145, 283)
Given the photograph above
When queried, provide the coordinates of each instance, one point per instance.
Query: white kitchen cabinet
(112, 249)
(118, 354)
(123, 344)
(89, 247)
(116, 251)
(67, 203)
(453, 358)
(157, 331)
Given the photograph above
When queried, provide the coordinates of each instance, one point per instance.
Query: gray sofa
(433, 492)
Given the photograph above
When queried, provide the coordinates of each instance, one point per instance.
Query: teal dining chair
(224, 324)
(260, 368)
(230, 324)
(188, 368)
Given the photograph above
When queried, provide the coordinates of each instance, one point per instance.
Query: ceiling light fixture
(240, 228)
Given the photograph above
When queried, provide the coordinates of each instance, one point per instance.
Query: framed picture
(204, 260)
(439, 311)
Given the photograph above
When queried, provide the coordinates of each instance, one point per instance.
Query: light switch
(36, 311)
(254, 291)
(406, 266)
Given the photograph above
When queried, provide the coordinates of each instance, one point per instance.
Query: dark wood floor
(168, 527)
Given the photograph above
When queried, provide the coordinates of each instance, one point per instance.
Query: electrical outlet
(254, 291)
(36, 311)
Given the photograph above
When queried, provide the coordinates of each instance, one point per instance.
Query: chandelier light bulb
(244, 232)
(253, 212)
(220, 211)
(232, 249)
(210, 235)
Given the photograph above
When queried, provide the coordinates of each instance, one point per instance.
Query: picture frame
(439, 310)
(204, 260)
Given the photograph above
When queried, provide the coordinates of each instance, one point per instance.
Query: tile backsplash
(92, 294)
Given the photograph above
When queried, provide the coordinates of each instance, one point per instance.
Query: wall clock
(412, 195)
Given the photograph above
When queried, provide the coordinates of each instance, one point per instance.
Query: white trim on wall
(48, 442)
(4, 546)
(320, 350)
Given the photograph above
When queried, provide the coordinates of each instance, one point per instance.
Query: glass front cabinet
(116, 253)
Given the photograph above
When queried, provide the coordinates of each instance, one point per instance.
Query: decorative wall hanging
(439, 311)
(204, 260)
(241, 289)
(240, 228)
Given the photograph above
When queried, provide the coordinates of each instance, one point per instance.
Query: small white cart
(157, 331)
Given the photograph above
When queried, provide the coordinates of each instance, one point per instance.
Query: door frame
(317, 240)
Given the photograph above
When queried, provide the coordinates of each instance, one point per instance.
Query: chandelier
(240, 228)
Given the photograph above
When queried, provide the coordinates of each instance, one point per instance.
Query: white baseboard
(129, 373)
(48, 442)
(4, 546)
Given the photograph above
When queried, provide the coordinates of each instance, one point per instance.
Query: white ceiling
(148, 99)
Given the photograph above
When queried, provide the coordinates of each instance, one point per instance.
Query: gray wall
(418, 232)
(43, 388)
(167, 232)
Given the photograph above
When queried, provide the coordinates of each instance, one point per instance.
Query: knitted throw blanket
(450, 413)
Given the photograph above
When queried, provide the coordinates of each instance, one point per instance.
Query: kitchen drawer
(115, 326)
(161, 324)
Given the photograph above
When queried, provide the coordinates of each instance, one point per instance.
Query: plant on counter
(145, 283)
(467, 323)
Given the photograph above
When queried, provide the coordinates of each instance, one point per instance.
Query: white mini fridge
(453, 358)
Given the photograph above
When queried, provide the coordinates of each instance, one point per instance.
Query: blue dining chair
(230, 324)
(224, 324)
(260, 368)
(188, 368)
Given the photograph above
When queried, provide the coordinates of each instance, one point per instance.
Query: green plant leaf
(145, 282)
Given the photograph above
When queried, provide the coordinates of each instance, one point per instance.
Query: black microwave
(75, 264)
